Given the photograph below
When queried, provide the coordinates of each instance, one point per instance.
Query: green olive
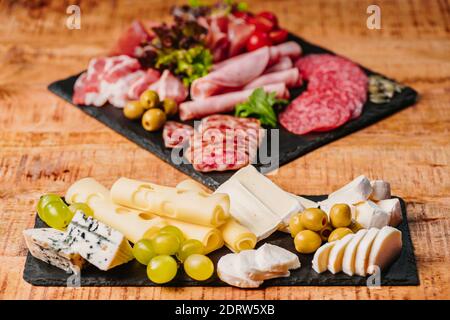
(133, 110)
(340, 215)
(170, 107)
(295, 225)
(355, 226)
(153, 119)
(325, 232)
(307, 241)
(149, 99)
(314, 219)
(338, 234)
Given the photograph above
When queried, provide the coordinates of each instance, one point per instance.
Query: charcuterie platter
(295, 137)
(210, 93)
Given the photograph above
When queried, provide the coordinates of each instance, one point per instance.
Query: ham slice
(236, 72)
(290, 77)
(225, 102)
(238, 34)
(169, 86)
(284, 64)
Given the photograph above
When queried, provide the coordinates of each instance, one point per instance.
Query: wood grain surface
(46, 144)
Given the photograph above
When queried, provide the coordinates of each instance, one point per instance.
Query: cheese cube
(381, 190)
(393, 208)
(369, 215)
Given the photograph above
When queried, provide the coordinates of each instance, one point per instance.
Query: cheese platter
(248, 240)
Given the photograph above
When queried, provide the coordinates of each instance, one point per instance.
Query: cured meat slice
(238, 34)
(131, 39)
(176, 134)
(284, 64)
(168, 86)
(223, 142)
(225, 102)
(336, 93)
(290, 77)
(142, 83)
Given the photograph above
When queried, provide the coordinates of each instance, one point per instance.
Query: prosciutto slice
(235, 73)
(142, 83)
(238, 34)
(169, 86)
(225, 102)
(291, 78)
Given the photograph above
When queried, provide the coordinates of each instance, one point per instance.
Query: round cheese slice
(385, 249)
(348, 262)
(337, 254)
(363, 251)
(320, 260)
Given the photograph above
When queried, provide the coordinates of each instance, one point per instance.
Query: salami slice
(176, 134)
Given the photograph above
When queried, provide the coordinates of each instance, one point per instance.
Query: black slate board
(291, 146)
(403, 272)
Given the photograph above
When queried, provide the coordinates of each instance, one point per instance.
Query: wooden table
(46, 144)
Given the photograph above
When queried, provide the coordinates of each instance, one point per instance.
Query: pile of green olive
(313, 226)
(152, 112)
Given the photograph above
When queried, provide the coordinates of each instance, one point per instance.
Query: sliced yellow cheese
(337, 254)
(193, 185)
(363, 251)
(124, 220)
(237, 237)
(385, 249)
(185, 205)
(320, 259)
(348, 262)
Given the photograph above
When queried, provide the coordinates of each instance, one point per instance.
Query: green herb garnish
(260, 105)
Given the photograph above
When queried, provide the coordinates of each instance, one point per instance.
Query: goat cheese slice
(228, 272)
(321, 256)
(273, 258)
(369, 215)
(393, 208)
(337, 254)
(98, 243)
(363, 252)
(385, 249)
(348, 262)
(47, 244)
(248, 265)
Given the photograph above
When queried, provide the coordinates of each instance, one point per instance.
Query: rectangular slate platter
(291, 146)
(403, 272)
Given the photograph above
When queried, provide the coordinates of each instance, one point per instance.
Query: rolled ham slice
(225, 102)
(284, 64)
(237, 72)
(291, 78)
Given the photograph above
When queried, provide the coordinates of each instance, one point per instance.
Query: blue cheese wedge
(48, 245)
(102, 246)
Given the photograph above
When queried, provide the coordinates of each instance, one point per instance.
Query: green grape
(143, 251)
(173, 230)
(162, 269)
(165, 243)
(74, 207)
(198, 267)
(43, 201)
(189, 247)
(57, 215)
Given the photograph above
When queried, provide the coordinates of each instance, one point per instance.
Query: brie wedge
(369, 215)
(320, 259)
(276, 259)
(393, 208)
(354, 192)
(385, 249)
(337, 254)
(348, 262)
(363, 252)
(381, 190)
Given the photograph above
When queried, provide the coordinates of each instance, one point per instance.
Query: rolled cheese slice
(192, 185)
(237, 237)
(363, 252)
(385, 249)
(185, 205)
(124, 220)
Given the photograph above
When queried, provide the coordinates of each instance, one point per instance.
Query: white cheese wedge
(248, 265)
(385, 249)
(320, 259)
(381, 190)
(348, 262)
(249, 211)
(337, 254)
(228, 272)
(393, 208)
(272, 196)
(272, 258)
(354, 192)
(369, 215)
(363, 252)
(48, 245)
(99, 244)
(305, 203)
